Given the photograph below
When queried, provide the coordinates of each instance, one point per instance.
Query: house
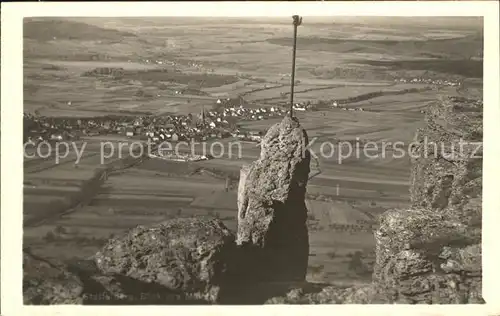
(129, 131)
(175, 137)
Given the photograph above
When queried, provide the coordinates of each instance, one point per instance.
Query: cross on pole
(297, 20)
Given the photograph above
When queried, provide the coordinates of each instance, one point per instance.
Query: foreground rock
(272, 215)
(424, 258)
(187, 256)
(431, 253)
(331, 294)
(80, 282)
(47, 282)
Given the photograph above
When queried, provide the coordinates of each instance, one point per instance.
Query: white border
(12, 166)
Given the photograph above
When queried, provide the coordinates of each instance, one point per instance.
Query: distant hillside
(44, 30)
(462, 48)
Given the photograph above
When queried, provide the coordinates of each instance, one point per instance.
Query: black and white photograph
(299, 159)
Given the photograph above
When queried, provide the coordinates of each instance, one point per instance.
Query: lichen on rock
(410, 266)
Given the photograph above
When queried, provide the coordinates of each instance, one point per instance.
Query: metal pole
(297, 20)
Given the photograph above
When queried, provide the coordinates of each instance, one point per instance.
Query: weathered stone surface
(47, 283)
(446, 163)
(431, 253)
(331, 294)
(271, 209)
(80, 282)
(188, 256)
(241, 188)
(424, 258)
(111, 289)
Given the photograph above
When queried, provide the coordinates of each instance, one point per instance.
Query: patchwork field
(70, 210)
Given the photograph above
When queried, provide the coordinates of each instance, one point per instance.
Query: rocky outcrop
(181, 261)
(47, 282)
(241, 199)
(422, 257)
(431, 253)
(188, 256)
(196, 260)
(271, 208)
(447, 163)
(80, 282)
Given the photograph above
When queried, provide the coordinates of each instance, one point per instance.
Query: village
(206, 125)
